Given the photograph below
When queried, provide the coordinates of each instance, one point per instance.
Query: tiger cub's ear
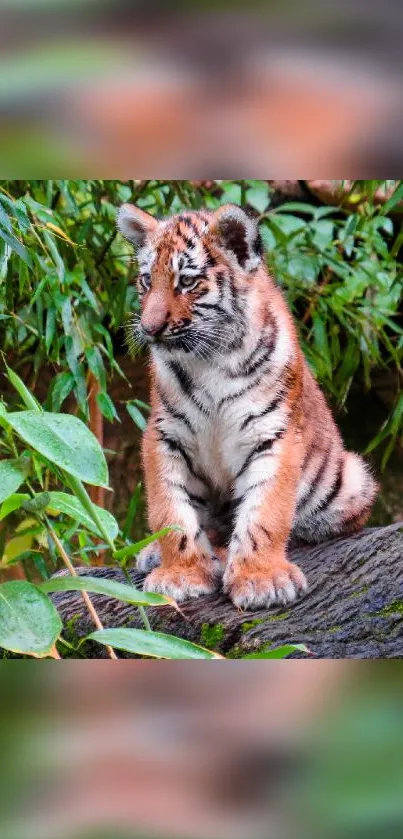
(238, 233)
(135, 224)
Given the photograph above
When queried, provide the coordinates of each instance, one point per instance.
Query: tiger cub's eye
(145, 281)
(188, 283)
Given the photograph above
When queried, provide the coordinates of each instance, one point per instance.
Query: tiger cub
(241, 449)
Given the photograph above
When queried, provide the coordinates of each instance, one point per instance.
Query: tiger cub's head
(195, 271)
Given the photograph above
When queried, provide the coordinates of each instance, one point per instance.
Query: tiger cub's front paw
(183, 582)
(260, 589)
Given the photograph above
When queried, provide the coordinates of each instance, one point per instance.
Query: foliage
(66, 280)
(66, 288)
(29, 623)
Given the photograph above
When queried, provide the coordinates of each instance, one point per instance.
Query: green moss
(281, 617)
(334, 629)
(212, 635)
(70, 636)
(395, 608)
(251, 624)
(258, 621)
(358, 593)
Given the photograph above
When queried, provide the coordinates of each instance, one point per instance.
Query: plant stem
(87, 600)
(143, 613)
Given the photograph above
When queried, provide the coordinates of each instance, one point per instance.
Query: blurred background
(271, 751)
(148, 87)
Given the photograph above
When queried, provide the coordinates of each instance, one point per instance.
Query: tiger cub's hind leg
(343, 507)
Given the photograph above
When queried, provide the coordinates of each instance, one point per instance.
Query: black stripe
(308, 454)
(252, 487)
(183, 542)
(185, 381)
(248, 369)
(178, 415)
(315, 481)
(233, 396)
(265, 531)
(175, 446)
(258, 451)
(211, 306)
(196, 499)
(210, 261)
(332, 492)
(268, 410)
(187, 385)
(190, 223)
(252, 539)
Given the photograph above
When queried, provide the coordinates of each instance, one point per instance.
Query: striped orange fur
(241, 449)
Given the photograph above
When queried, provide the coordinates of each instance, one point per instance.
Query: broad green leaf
(71, 506)
(154, 644)
(297, 207)
(12, 475)
(111, 588)
(231, 193)
(258, 195)
(281, 652)
(65, 441)
(14, 502)
(29, 622)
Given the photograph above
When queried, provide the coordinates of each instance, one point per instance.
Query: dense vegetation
(66, 287)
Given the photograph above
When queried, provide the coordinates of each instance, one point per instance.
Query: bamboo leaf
(110, 588)
(153, 644)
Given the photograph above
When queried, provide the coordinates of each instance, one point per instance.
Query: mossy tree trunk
(354, 607)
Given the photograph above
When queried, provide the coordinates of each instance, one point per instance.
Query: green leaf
(67, 315)
(23, 391)
(258, 195)
(16, 246)
(107, 407)
(62, 385)
(12, 475)
(132, 550)
(13, 502)
(136, 416)
(29, 622)
(65, 441)
(50, 328)
(71, 506)
(396, 198)
(110, 588)
(297, 207)
(153, 644)
(281, 652)
(96, 365)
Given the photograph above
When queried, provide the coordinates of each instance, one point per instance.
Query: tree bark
(353, 609)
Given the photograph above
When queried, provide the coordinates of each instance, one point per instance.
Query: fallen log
(353, 609)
